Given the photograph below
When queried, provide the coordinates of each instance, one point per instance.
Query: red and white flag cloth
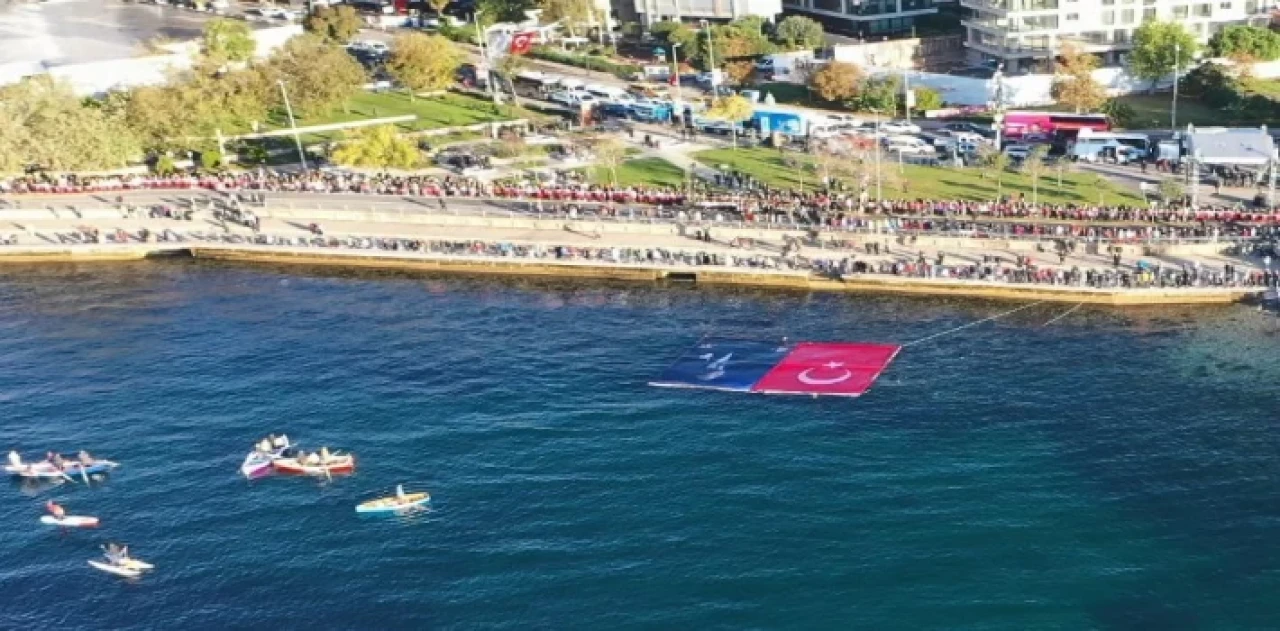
(828, 369)
(522, 42)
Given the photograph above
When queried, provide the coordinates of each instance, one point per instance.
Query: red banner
(828, 369)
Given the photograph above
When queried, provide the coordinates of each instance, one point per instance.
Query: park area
(646, 172)
(775, 169)
(432, 112)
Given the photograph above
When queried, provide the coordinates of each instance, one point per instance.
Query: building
(649, 11)
(1024, 35)
(864, 17)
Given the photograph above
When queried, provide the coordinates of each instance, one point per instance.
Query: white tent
(1252, 147)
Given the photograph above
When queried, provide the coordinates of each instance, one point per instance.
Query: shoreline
(651, 273)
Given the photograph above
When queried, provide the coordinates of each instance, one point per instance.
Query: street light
(675, 62)
(293, 124)
(1173, 111)
(711, 56)
(879, 191)
(484, 57)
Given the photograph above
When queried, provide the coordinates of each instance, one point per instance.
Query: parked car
(971, 128)
(573, 98)
(899, 127)
(1017, 152)
(908, 146)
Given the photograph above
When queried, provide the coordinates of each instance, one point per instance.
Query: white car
(282, 14)
(899, 127)
(370, 46)
(572, 99)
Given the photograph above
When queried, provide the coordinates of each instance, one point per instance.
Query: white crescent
(814, 381)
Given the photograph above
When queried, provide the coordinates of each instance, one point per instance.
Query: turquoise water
(1115, 470)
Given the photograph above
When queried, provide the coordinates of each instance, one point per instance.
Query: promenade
(512, 238)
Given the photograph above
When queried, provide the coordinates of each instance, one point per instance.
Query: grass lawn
(642, 172)
(766, 165)
(1152, 111)
(447, 110)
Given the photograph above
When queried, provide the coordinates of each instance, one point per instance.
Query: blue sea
(1114, 470)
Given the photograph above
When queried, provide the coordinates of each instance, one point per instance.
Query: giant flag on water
(779, 368)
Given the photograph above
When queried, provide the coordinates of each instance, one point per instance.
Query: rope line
(965, 326)
(1064, 314)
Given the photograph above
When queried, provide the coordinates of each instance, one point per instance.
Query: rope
(965, 326)
(1064, 314)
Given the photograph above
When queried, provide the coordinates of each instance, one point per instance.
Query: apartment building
(1024, 35)
(649, 11)
(864, 17)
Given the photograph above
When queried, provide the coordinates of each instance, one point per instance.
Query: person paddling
(400, 492)
(55, 509)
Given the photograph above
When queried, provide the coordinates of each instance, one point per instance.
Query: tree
(836, 81)
(996, 162)
(1121, 114)
(507, 68)
(879, 94)
(1073, 83)
(319, 75)
(927, 99)
(505, 10)
(1103, 186)
(377, 147)
(439, 6)
(1171, 190)
(194, 105)
(1258, 43)
(423, 62)
(47, 126)
(1159, 48)
(733, 110)
(335, 24)
(1034, 166)
(797, 32)
(609, 152)
(228, 40)
(571, 13)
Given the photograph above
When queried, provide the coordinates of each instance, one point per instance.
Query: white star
(834, 364)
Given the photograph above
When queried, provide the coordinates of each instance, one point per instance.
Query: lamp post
(879, 192)
(1173, 111)
(711, 56)
(999, 104)
(293, 124)
(675, 69)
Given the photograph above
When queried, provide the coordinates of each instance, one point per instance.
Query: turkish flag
(846, 370)
(521, 43)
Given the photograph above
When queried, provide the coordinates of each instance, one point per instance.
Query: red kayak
(335, 465)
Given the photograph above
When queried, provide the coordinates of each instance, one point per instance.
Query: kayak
(47, 470)
(336, 464)
(70, 521)
(393, 503)
(118, 570)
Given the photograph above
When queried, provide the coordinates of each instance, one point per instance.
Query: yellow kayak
(393, 503)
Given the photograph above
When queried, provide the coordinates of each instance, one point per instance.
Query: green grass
(1152, 111)
(1265, 87)
(447, 110)
(767, 165)
(641, 172)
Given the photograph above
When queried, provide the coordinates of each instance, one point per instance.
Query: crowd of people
(755, 204)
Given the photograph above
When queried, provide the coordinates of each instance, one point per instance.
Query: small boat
(335, 465)
(50, 471)
(259, 461)
(70, 521)
(118, 570)
(399, 502)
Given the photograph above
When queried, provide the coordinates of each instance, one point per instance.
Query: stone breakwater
(707, 273)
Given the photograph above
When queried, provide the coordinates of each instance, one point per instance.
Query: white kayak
(118, 570)
(70, 521)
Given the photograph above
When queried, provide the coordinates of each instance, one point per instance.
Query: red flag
(832, 369)
(521, 42)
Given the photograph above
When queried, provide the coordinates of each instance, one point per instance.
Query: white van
(908, 146)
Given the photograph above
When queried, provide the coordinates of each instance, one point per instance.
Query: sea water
(1116, 469)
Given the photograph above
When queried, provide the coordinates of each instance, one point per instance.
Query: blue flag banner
(723, 364)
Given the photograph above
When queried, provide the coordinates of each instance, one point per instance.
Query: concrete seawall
(585, 269)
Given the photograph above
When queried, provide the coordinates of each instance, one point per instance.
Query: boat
(49, 471)
(259, 461)
(70, 521)
(335, 465)
(399, 502)
(118, 570)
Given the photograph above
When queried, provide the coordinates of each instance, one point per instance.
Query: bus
(1045, 125)
(1120, 148)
